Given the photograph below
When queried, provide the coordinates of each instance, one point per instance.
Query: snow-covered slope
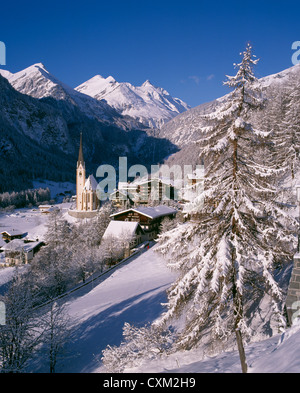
(152, 106)
(278, 354)
(133, 293)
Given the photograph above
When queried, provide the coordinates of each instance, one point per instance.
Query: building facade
(149, 218)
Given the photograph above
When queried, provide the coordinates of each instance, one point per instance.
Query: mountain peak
(97, 77)
(36, 67)
(110, 79)
(150, 105)
(39, 65)
(147, 83)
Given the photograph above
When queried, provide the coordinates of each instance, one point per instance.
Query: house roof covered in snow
(14, 232)
(151, 212)
(90, 184)
(20, 245)
(122, 228)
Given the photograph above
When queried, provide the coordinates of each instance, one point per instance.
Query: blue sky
(186, 47)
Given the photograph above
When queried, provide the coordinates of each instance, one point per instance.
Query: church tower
(80, 178)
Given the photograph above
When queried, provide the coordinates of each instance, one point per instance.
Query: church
(87, 202)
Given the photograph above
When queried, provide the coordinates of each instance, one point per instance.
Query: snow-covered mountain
(36, 81)
(150, 105)
(105, 99)
(188, 127)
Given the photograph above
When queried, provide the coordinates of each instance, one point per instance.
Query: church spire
(80, 155)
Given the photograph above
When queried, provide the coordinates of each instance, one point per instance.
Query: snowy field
(30, 221)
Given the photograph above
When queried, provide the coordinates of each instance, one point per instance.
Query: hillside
(100, 310)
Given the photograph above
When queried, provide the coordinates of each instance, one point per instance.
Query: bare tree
(56, 332)
(22, 332)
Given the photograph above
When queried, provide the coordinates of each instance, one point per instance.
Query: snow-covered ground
(30, 221)
(133, 293)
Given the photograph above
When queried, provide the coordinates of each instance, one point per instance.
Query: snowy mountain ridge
(152, 106)
(105, 99)
(36, 81)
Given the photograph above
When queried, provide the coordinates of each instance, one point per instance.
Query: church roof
(90, 184)
(80, 155)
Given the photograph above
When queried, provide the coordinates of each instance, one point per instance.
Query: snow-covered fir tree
(286, 129)
(231, 245)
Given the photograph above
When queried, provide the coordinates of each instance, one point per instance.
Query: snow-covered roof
(151, 212)
(19, 245)
(121, 228)
(90, 184)
(14, 232)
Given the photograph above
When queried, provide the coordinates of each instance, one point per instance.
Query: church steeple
(80, 176)
(80, 155)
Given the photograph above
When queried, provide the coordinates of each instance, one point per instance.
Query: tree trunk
(241, 349)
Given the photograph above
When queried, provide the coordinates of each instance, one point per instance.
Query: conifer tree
(233, 240)
(287, 135)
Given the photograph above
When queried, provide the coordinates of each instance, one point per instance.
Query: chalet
(143, 191)
(129, 232)
(47, 209)
(149, 218)
(18, 252)
(12, 234)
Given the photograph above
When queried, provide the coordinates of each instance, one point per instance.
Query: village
(138, 211)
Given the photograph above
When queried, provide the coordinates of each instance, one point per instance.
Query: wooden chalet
(12, 234)
(130, 232)
(149, 218)
(18, 252)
